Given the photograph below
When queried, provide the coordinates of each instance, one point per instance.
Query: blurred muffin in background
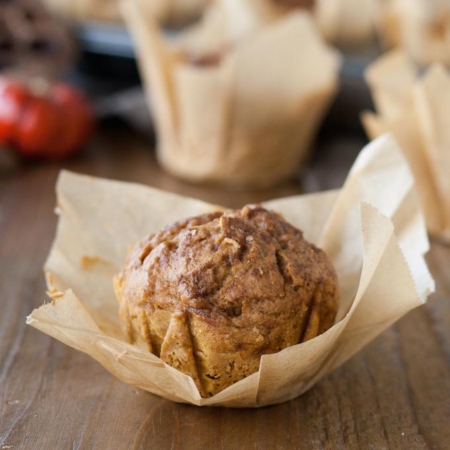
(234, 101)
(421, 27)
(348, 23)
(341, 22)
(269, 9)
(169, 12)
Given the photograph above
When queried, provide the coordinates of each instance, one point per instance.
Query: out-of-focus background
(90, 46)
(124, 64)
(96, 48)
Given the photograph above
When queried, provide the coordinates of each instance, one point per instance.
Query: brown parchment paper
(372, 229)
(416, 110)
(420, 27)
(248, 120)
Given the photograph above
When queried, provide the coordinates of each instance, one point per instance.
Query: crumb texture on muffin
(210, 295)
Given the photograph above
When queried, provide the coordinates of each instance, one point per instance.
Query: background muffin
(211, 294)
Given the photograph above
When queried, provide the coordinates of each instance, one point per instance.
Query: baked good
(211, 294)
(168, 12)
(234, 122)
(295, 3)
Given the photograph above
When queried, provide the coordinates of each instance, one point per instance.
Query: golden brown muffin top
(230, 265)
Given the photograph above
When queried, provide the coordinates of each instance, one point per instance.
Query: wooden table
(395, 394)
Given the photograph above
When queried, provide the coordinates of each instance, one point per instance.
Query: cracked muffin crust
(211, 294)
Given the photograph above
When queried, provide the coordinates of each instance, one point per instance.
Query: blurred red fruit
(53, 123)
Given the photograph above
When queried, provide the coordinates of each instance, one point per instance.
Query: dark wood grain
(395, 394)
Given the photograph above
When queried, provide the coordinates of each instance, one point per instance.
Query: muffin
(220, 116)
(295, 3)
(168, 12)
(211, 294)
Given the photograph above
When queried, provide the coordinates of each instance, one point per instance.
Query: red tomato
(36, 128)
(13, 96)
(68, 136)
(79, 118)
(55, 123)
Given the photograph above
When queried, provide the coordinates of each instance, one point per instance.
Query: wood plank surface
(395, 394)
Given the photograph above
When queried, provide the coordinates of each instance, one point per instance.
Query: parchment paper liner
(372, 229)
(247, 121)
(416, 110)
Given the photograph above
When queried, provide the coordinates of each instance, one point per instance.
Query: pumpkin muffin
(211, 294)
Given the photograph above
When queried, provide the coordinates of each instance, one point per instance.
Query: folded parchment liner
(372, 229)
(416, 110)
(241, 113)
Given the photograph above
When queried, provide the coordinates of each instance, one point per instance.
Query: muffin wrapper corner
(372, 229)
